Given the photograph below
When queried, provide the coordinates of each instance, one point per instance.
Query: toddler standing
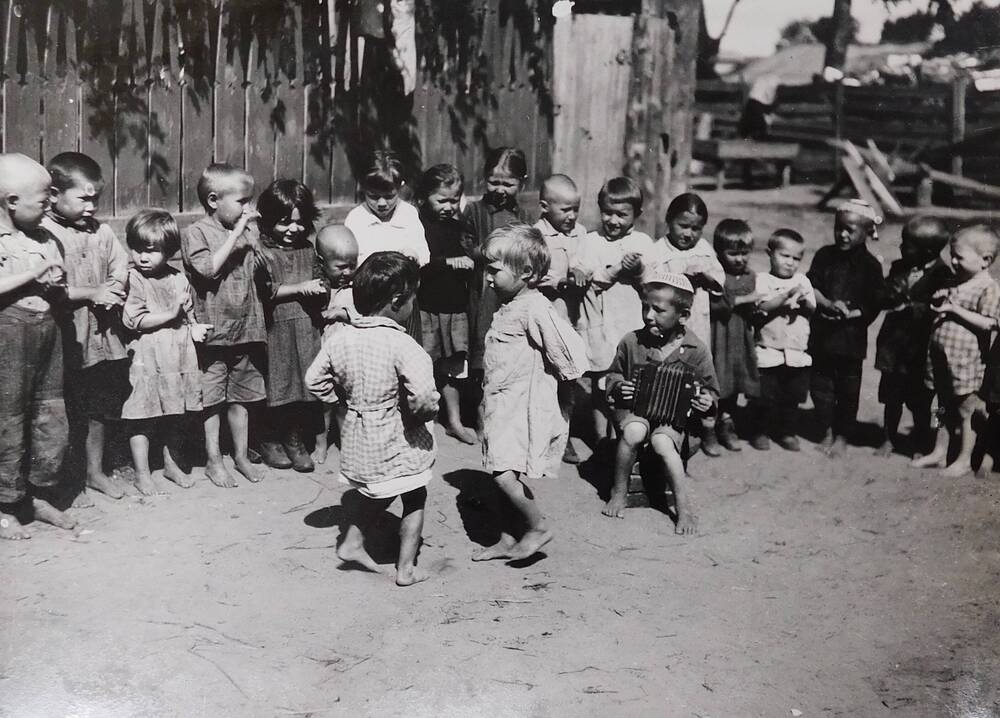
(221, 252)
(96, 272)
(164, 374)
(966, 312)
(529, 350)
(292, 308)
(732, 328)
(387, 383)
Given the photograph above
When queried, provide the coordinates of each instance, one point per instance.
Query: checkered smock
(956, 362)
(387, 383)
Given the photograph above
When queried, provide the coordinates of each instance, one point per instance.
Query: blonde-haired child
(529, 350)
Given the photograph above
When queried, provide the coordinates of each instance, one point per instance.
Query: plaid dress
(956, 362)
(384, 378)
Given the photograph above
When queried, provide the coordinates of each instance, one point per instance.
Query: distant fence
(908, 119)
(154, 90)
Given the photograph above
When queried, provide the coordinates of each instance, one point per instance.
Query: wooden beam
(982, 188)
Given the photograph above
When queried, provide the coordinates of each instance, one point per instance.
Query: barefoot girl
(529, 350)
(166, 381)
(387, 383)
(293, 301)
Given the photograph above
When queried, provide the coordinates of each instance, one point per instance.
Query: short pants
(232, 375)
(444, 335)
(99, 391)
(624, 417)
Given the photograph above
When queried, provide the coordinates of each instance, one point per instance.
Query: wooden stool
(647, 485)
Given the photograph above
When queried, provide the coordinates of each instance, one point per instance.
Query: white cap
(659, 275)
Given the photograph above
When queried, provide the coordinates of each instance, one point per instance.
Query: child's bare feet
(144, 482)
(105, 484)
(410, 575)
(462, 433)
(838, 448)
(687, 524)
(11, 529)
(957, 470)
(501, 549)
(615, 508)
(356, 553)
(249, 471)
(827, 443)
(319, 455)
(219, 475)
(83, 500)
(985, 468)
(933, 460)
(49, 514)
(530, 544)
(178, 476)
(885, 449)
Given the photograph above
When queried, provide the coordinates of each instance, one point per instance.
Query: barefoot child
(443, 296)
(337, 256)
(848, 284)
(220, 254)
(529, 350)
(901, 347)
(785, 301)
(966, 314)
(164, 374)
(664, 340)
(733, 350)
(96, 272)
(607, 267)
(32, 290)
(387, 382)
(294, 300)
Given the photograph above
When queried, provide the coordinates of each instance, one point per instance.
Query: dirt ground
(859, 588)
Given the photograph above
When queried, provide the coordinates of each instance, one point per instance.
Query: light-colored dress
(384, 379)
(610, 308)
(700, 258)
(529, 349)
(402, 232)
(164, 373)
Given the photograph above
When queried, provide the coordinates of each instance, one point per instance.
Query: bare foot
(49, 514)
(410, 576)
(838, 449)
(178, 476)
(933, 460)
(220, 476)
(501, 549)
(462, 433)
(83, 500)
(885, 449)
(687, 524)
(11, 529)
(249, 471)
(530, 544)
(615, 508)
(826, 444)
(319, 455)
(356, 553)
(985, 468)
(105, 484)
(957, 470)
(144, 482)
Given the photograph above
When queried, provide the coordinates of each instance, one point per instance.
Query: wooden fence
(154, 90)
(904, 119)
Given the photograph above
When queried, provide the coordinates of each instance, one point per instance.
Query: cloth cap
(659, 275)
(861, 208)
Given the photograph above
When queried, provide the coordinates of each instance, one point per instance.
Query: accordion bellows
(663, 393)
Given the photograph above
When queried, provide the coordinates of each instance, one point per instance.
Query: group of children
(405, 313)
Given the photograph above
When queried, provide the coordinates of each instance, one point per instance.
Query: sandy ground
(860, 588)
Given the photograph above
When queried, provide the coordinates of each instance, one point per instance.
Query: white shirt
(784, 340)
(402, 232)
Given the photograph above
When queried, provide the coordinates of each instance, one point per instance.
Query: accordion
(663, 393)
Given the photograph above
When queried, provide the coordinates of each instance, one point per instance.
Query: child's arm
(12, 282)
(200, 258)
(619, 389)
(320, 379)
(563, 348)
(708, 391)
(983, 321)
(416, 372)
(308, 288)
(136, 315)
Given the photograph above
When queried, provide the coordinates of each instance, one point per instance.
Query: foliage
(803, 32)
(909, 28)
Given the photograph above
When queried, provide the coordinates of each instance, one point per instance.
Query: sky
(756, 24)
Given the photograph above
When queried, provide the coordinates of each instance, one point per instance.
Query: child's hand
(632, 263)
(702, 401)
(579, 277)
(625, 392)
(337, 314)
(50, 274)
(199, 332)
(105, 297)
(311, 288)
(704, 280)
(250, 214)
(942, 307)
(460, 262)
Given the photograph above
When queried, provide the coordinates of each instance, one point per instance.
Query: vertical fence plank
(61, 97)
(198, 29)
(98, 55)
(24, 85)
(164, 165)
(230, 76)
(131, 121)
(261, 101)
(289, 120)
(5, 61)
(959, 87)
(319, 33)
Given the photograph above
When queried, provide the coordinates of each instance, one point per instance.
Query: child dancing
(294, 302)
(164, 374)
(732, 329)
(966, 311)
(901, 346)
(529, 350)
(664, 340)
(387, 383)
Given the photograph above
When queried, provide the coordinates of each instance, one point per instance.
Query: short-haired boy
(848, 283)
(33, 427)
(966, 315)
(96, 264)
(901, 346)
(785, 302)
(219, 253)
(667, 299)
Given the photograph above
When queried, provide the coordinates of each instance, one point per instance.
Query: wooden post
(640, 90)
(838, 126)
(958, 90)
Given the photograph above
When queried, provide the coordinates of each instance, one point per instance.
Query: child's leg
(173, 448)
(267, 424)
(567, 404)
(847, 393)
(939, 455)
(821, 386)
(524, 504)
(323, 438)
(215, 470)
(633, 434)
(239, 428)
(665, 448)
(295, 418)
(726, 427)
(410, 528)
(891, 415)
(94, 447)
(600, 409)
(962, 464)
(919, 399)
(453, 411)
(986, 446)
(139, 443)
(352, 543)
